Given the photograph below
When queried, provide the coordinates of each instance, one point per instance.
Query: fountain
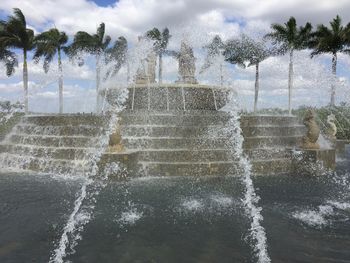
(176, 129)
(164, 130)
(182, 129)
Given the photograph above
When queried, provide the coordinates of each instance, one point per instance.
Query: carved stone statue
(187, 67)
(115, 141)
(151, 67)
(146, 73)
(141, 76)
(313, 131)
(332, 128)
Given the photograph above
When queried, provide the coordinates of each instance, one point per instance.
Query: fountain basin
(159, 143)
(162, 97)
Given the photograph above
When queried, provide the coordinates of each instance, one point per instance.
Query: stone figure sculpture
(141, 77)
(187, 67)
(313, 131)
(151, 67)
(115, 141)
(332, 128)
(146, 73)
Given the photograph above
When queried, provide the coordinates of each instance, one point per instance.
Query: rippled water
(177, 219)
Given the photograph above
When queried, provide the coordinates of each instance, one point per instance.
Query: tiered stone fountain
(165, 130)
(176, 129)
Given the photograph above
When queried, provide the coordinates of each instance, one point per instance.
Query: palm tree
(214, 49)
(9, 59)
(15, 34)
(95, 44)
(245, 49)
(117, 54)
(161, 40)
(331, 40)
(233, 52)
(291, 38)
(48, 44)
(257, 52)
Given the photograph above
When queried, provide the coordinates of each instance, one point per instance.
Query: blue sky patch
(105, 2)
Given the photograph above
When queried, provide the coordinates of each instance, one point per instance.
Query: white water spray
(86, 200)
(250, 200)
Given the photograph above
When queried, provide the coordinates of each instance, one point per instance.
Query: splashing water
(251, 199)
(316, 218)
(192, 205)
(130, 217)
(92, 186)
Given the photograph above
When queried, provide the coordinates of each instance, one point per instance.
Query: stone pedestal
(340, 146)
(128, 160)
(313, 160)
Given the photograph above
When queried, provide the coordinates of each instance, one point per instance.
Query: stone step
(53, 141)
(67, 119)
(183, 155)
(174, 113)
(271, 141)
(69, 153)
(268, 153)
(133, 143)
(139, 143)
(210, 155)
(71, 130)
(169, 130)
(274, 130)
(55, 166)
(263, 120)
(189, 168)
(213, 130)
(276, 166)
(174, 120)
(272, 166)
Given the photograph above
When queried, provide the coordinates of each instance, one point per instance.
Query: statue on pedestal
(187, 67)
(313, 131)
(146, 73)
(332, 128)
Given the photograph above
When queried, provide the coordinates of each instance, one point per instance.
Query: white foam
(192, 205)
(221, 200)
(316, 218)
(130, 217)
(339, 205)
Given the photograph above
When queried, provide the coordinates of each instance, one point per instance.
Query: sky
(196, 20)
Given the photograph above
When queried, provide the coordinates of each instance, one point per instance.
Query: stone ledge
(303, 158)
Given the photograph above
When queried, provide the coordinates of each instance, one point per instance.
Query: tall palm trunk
(221, 76)
(290, 81)
(60, 81)
(334, 73)
(160, 68)
(98, 71)
(25, 80)
(127, 72)
(256, 86)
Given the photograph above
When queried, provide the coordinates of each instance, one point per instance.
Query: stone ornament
(309, 141)
(332, 128)
(115, 141)
(187, 66)
(146, 73)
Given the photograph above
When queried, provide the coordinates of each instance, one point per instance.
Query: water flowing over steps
(193, 142)
(166, 143)
(59, 144)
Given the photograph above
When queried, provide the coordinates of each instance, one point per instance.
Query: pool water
(306, 219)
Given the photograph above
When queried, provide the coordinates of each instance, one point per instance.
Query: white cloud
(133, 17)
(199, 21)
